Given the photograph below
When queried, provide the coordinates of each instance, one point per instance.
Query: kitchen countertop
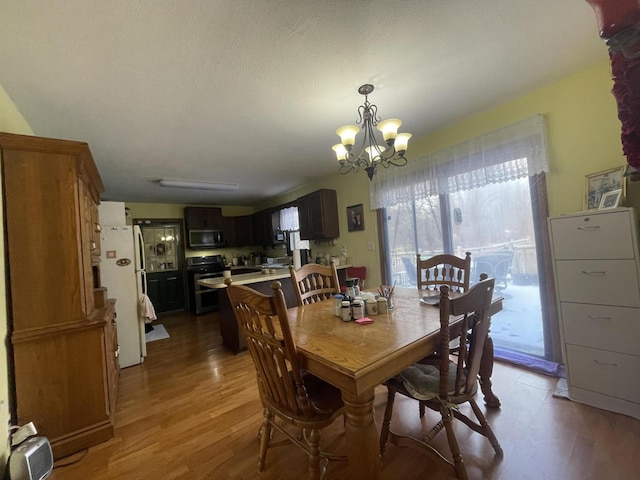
(248, 278)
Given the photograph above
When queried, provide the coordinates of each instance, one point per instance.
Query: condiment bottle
(345, 311)
(382, 305)
(337, 299)
(357, 309)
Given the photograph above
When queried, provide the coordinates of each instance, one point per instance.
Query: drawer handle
(594, 272)
(595, 317)
(605, 364)
(590, 228)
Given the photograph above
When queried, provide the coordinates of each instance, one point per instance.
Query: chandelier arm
(347, 168)
(398, 161)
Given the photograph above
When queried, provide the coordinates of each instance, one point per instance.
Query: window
(475, 197)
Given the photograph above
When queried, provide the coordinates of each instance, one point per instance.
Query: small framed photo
(355, 217)
(599, 183)
(610, 200)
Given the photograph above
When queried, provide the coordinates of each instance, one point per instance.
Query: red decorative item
(615, 15)
(619, 24)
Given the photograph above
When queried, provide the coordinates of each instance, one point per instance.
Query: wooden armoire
(63, 352)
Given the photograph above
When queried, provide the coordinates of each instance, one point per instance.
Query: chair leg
(486, 428)
(388, 412)
(264, 436)
(447, 418)
(313, 439)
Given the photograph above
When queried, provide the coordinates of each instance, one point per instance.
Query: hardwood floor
(192, 411)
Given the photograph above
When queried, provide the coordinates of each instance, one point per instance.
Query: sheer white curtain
(289, 219)
(509, 153)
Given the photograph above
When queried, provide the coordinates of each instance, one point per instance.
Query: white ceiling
(251, 92)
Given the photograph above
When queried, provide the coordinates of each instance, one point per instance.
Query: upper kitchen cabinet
(203, 218)
(244, 231)
(318, 214)
(229, 229)
(262, 231)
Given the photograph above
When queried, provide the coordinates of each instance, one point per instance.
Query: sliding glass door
(495, 223)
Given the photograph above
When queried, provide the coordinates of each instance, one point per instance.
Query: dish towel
(146, 309)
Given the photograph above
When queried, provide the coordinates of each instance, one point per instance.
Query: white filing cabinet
(597, 272)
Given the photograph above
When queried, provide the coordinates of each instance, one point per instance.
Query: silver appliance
(203, 299)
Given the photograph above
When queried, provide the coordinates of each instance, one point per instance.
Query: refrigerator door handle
(143, 278)
(139, 248)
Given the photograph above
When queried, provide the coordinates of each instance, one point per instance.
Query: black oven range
(203, 299)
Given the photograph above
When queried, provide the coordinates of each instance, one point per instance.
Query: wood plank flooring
(192, 411)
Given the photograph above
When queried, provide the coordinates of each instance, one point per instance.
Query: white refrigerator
(122, 274)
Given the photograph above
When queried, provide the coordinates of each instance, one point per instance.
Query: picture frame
(599, 183)
(610, 200)
(355, 218)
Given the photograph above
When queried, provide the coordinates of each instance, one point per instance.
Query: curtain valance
(509, 153)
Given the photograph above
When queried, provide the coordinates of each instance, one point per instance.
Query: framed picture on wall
(355, 217)
(599, 183)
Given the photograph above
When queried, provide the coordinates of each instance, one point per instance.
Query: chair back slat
(443, 269)
(473, 306)
(314, 282)
(263, 322)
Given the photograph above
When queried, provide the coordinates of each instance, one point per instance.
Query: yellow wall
(13, 122)
(583, 133)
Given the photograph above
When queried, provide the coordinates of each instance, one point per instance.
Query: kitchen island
(260, 282)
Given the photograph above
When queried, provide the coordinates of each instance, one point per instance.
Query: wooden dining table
(357, 358)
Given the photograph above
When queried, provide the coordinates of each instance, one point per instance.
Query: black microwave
(206, 238)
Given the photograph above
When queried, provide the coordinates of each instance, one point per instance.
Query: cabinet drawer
(616, 329)
(607, 282)
(609, 373)
(604, 235)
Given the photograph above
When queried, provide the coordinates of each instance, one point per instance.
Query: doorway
(164, 260)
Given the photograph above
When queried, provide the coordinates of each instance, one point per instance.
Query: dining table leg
(361, 436)
(485, 372)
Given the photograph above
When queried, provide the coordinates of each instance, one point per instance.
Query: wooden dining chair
(443, 384)
(314, 282)
(444, 269)
(289, 394)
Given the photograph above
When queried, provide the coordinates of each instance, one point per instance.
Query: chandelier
(372, 153)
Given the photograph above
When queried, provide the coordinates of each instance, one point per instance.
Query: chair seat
(422, 381)
(325, 397)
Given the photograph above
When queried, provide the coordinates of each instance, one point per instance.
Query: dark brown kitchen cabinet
(262, 231)
(230, 233)
(244, 231)
(203, 218)
(318, 215)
